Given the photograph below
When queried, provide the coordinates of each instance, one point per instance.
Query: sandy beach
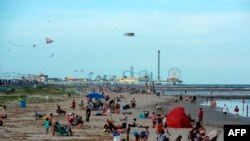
(21, 124)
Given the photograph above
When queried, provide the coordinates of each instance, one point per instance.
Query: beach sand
(21, 124)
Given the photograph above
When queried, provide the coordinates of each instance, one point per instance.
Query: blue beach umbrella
(95, 95)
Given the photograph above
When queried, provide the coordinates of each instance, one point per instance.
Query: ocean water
(207, 93)
(231, 103)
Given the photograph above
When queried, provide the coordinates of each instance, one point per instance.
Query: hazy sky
(208, 40)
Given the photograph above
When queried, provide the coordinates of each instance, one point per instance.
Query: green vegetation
(35, 95)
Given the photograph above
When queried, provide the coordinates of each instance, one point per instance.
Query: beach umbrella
(95, 95)
(177, 118)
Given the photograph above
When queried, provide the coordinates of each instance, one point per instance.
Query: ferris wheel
(174, 74)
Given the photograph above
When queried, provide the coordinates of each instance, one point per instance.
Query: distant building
(54, 80)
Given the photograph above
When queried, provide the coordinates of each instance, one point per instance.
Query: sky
(208, 40)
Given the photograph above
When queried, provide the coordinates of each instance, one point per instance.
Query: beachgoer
(60, 111)
(161, 136)
(82, 104)
(73, 104)
(46, 125)
(147, 133)
(225, 110)
(181, 98)
(50, 120)
(128, 132)
(88, 112)
(167, 134)
(213, 104)
(3, 114)
(124, 121)
(143, 135)
(137, 136)
(200, 115)
(236, 111)
(70, 118)
(178, 138)
(159, 126)
(134, 124)
(194, 99)
(153, 117)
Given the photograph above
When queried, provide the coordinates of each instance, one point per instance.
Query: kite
(47, 41)
(52, 55)
(130, 34)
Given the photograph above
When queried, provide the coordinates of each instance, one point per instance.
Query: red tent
(177, 118)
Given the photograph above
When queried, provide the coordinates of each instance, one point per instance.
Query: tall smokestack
(159, 77)
(132, 72)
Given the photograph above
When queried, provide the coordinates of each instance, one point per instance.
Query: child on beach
(46, 124)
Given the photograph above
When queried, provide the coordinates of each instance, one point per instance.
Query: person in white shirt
(225, 110)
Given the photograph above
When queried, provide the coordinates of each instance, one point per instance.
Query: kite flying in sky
(130, 34)
(47, 41)
(52, 55)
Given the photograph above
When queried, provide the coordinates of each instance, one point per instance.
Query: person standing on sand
(200, 115)
(46, 125)
(236, 111)
(225, 110)
(153, 117)
(88, 112)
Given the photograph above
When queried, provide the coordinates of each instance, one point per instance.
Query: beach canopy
(177, 118)
(94, 95)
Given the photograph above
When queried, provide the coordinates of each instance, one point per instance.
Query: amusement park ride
(174, 75)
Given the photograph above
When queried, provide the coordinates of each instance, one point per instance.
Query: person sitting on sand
(109, 126)
(134, 124)
(82, 104)
(60, 111)
(99, 112)
(70, 118)
(3, 114)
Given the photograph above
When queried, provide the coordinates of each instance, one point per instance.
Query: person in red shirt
(159, 127)
(200, 115)
(236, 111)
